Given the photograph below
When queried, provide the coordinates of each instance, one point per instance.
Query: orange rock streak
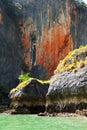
(54, 44)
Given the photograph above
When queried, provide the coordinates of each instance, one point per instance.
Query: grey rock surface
(10, 49)
(31, 97)
(68, 91)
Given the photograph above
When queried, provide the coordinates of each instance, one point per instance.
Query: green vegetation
(24, 77)
(74, 60)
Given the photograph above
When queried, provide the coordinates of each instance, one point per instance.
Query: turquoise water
(33, 122)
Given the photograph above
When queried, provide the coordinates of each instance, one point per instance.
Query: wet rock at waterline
(29, 97)
(68, 88)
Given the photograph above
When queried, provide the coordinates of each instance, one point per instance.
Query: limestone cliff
(10, 46)
(51, 28)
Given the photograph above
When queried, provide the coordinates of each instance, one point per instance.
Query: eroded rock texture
(10, 47)
(30, 98)
(68, 89)
(51, 28)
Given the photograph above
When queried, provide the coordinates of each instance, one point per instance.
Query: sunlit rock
(68, 88)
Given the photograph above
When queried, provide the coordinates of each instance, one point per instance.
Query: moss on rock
(74, 60)
(24, 83)
(68, 88)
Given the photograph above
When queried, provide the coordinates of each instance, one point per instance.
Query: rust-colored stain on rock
(54, 43)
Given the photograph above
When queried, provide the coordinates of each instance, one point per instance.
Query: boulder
(82, 113)
(29, 97)
(68, 88)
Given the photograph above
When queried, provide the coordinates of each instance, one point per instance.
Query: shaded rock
(10, 46)
(3, 108)
(30, 98)
(82, 113)
(68, 89)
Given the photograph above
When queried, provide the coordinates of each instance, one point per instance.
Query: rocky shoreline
(66, 114)
(64, 95)
(4, 109)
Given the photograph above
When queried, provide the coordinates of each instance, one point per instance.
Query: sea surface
(33, 122)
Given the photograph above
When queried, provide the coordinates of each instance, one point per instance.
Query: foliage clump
(74, 60)
(24, 77)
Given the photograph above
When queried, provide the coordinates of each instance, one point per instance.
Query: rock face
(30, 98)
(51, 28)
(10, 47)
(68, 89)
